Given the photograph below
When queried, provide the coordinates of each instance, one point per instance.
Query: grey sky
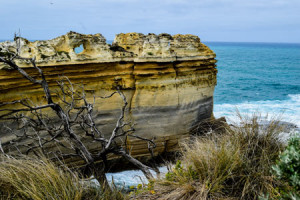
(211, 20)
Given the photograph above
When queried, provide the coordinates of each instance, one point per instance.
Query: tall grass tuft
(29, 178)
(233, 165)
(260, 144)
(39, 179)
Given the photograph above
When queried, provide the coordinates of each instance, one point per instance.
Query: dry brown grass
(233, 165)
(28, 178)
(35, 179)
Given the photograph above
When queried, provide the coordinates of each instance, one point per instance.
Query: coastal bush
(287, 169)
(233, 165)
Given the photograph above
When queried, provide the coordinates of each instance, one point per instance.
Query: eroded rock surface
(168, 80)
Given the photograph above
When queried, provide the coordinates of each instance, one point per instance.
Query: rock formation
(168, 80)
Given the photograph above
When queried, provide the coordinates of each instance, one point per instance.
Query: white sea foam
(287, 110)
(132, 177)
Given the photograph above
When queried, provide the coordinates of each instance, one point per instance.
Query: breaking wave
(287, 110)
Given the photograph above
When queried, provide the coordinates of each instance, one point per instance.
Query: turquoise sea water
(261, 77)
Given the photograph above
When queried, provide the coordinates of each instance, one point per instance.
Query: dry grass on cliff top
(29, 178)
(232, 165)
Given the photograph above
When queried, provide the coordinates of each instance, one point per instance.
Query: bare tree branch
(72, 112)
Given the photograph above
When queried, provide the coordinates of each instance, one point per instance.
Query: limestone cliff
(169, 80)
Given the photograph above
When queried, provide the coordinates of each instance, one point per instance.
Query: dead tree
(65, 135)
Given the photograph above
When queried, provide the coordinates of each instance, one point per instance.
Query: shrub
(150, 53)
(287, 169)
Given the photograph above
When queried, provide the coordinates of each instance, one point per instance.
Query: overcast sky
(211, 20)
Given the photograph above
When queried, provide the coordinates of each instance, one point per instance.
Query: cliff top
(134, 47)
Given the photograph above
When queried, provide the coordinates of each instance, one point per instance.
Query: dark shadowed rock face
(168, 80)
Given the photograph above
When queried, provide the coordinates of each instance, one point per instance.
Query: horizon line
(253, 42)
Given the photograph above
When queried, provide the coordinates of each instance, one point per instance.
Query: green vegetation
(150, 53)
(288, 166)
(287, 170)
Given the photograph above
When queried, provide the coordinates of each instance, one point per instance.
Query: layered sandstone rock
(168, 80)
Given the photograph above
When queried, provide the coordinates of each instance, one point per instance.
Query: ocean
(252, 77)
(257, 77)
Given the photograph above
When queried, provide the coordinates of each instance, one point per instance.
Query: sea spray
(287, 110)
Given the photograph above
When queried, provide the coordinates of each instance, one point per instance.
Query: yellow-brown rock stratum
(168, 80)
